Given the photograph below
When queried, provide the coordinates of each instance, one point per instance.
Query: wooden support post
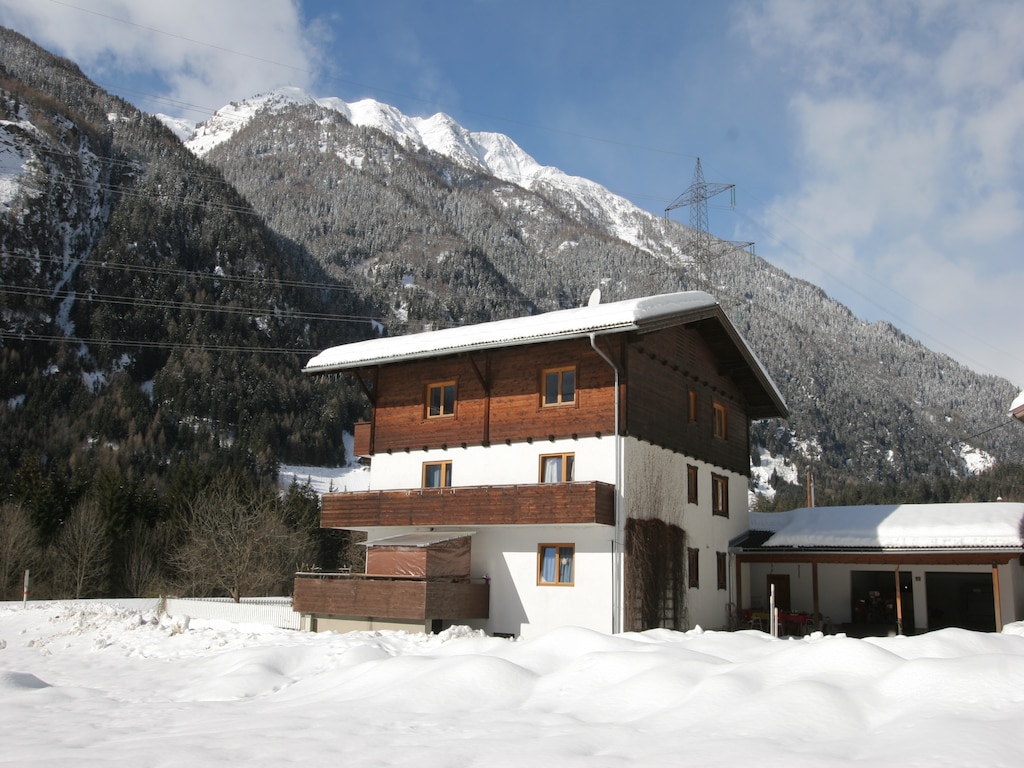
(899, 603)
(814, 593)
(995, 597)
(738, 581)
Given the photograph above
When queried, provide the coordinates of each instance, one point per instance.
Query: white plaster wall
(499, 464)
(507, 555)
(655, 488)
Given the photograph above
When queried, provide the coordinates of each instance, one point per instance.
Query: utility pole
(704, 249)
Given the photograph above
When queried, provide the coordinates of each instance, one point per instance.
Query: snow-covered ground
(94, 685)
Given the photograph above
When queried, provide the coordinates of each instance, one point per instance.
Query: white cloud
(199, 54)
(908, 122)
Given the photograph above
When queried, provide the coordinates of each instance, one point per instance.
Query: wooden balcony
(540, 504)
(384, 597)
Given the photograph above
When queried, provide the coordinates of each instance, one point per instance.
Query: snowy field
(87, 684)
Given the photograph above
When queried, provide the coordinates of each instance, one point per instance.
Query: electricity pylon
(704, 249)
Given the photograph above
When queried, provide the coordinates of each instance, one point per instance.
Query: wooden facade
(499, 397)
(663, 368)
(390, 597)
(539, 504)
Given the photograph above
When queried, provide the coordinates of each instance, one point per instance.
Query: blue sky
(877, 147)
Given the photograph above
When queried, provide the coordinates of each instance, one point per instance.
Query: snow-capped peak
(492, 153)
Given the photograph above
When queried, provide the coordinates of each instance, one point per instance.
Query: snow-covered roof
(418, 538)
(632, 314)
(987, 525)
(646, 314)
(1017, 407)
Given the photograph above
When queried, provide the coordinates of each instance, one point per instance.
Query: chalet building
(581, 467)
(885, 569)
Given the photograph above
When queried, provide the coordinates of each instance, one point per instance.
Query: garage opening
(873, 596)
(962, 600)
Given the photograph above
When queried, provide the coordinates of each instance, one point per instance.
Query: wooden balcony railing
(540, 504)
(390, 597)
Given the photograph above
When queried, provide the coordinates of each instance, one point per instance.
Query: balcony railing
(539, 504)
(390, 597)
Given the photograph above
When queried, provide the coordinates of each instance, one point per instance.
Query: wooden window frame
(446, 473)
(692, 477)
(441, 386)
(560, 549)
(568, 469)
(692, 405)
(720, 420)
(719, 495)
(693, 567)
(722, 566)
(560, 373)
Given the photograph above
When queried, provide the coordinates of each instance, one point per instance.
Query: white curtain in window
(553, 469)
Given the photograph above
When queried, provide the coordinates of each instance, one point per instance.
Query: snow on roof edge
(629, 314)
(993, 525)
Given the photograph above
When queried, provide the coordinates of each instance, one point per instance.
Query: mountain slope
(390, 200)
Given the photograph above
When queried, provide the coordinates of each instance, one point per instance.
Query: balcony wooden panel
(390, 598)
(539, 504)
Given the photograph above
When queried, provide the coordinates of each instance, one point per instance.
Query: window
(693, 405)
(437, 474)
(558, 386)
(691, 484)
(722, 561)
(557, 468)
(719, 495)
(440, 399)
(720, 424)
(555, 564)
(693, 567)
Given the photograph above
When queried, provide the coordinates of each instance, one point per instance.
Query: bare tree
(18, 549)
(81, 552)
(145, 549)
(239, 543)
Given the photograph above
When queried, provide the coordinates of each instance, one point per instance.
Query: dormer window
(440, 400)
(558, 386)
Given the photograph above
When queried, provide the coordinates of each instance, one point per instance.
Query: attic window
(440, 399)
(720, 425)
(558, 386)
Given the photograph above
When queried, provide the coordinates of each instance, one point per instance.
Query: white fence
(272, 611)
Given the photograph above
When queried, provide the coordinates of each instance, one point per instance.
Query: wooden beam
(995, 596)
(924, 557)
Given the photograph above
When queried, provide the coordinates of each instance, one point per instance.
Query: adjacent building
(882, 569)
(581, 467)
